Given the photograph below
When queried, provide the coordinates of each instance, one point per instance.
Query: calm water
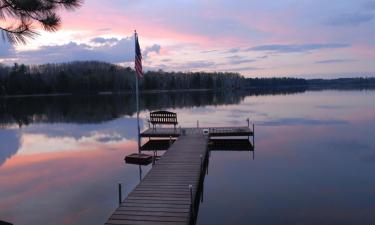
(61, 158)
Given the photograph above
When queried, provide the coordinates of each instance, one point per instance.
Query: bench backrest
(163, 117)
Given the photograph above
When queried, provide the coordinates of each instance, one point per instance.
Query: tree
(17, 17)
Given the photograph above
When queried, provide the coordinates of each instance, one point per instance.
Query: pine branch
(27, 12)
(19, 34)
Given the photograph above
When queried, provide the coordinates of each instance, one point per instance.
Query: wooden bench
(163, 117)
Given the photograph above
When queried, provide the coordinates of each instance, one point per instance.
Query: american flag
(138, 58)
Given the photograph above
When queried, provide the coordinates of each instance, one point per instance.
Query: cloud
(296, 48)
(247, 68)
(101, 40)
(329, 61)
(233, 50)
(209, 51)
(350, 19)
(236, 59)
(197, 65)
(111, 50)
(154, 48)
(241, 61)
(121, 50)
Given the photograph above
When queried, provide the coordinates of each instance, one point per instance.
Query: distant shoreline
(307, 87)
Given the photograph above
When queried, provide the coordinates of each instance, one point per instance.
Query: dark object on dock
(157, 145)
(230, 145)
(138, 159)
(163, 117)
(230, 131)
(5, 223)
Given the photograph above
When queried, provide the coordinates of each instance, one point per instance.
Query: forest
(93, 77)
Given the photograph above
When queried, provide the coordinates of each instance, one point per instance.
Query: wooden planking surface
(163, 196)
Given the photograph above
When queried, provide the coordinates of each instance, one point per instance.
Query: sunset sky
(305, 38)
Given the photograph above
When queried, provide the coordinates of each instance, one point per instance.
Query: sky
(268, 38)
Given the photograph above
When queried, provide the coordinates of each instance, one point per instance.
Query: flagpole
(137, 97)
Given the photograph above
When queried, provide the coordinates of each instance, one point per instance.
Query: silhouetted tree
(19, 15)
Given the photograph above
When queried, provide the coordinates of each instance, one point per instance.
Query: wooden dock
(163, 197)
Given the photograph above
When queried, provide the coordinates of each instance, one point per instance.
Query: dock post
(253, 136)
(170, 140)
(154, 157)
(119, 193)
(191, 200)
(248, 122)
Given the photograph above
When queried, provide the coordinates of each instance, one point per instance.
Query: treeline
(286, 82)
(360, 81)
(95, 77)
(92, 77)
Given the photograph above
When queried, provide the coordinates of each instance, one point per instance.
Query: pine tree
(17, 17)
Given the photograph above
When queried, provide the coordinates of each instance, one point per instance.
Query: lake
(61, 158)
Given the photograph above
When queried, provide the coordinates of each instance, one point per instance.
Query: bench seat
(163, 117)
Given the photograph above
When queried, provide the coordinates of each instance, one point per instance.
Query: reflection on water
(314, 164)
(62, 157)
(95, 109)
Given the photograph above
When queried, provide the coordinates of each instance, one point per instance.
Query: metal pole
(137, 93)
(119, 193)
(248, 122)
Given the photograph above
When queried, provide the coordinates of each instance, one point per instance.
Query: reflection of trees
(99, 108)
(68, 109)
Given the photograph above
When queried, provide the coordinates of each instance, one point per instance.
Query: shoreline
(311, 87)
